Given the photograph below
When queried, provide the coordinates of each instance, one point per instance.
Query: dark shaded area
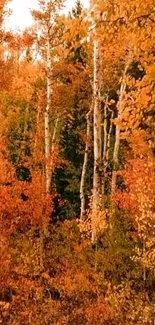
(23, 174)
(52, 293)
(136, 70)
(6, 295)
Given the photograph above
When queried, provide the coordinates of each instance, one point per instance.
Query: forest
(77, 165)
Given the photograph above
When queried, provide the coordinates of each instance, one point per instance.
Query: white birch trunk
(47, 109)
(105, 130)
(55, 132)
(85, 165)
(37, 131)
(53, 143)
(97, 176)
(104, 146)
(109, 137)
(118, 131)
(97, 137)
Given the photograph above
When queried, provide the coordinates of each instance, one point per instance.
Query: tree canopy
(77, 157)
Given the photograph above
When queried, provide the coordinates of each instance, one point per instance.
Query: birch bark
(97, 136)
(104, 146)
(96, 193)
(118, 130)
(48, 37)
(47, 110)
(85, 165)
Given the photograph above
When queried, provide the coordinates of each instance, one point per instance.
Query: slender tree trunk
(97, 137)
(85, 165)
(47, 109)
(115, 160)
(53, 143)
(105, 130)
(118, 131)
(106, 151)
(37, 130)
(54, 133)
(97, 129)
(104, 146)
(109, 138)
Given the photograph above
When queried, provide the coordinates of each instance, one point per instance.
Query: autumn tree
(49, 33)
(77, 106)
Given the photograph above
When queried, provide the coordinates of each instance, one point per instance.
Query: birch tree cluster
(77, 157)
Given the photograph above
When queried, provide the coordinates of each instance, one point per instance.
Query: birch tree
(48, 34)
(85, 165)
(97, 120)
(118, 127)
(107, 141)
(97, 126)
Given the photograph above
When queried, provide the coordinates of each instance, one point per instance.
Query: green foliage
(68, 178)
